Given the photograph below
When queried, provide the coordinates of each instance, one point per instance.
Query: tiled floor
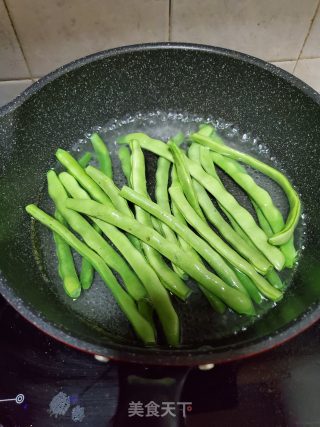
(37, 37)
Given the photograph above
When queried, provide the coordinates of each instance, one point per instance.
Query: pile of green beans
(195, 228)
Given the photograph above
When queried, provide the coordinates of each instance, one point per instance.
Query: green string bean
(240, 214)
(286, 233)
(168, 277)
(142, 328)
(103, 155)
(66, 267)
(93, 239)
(237, 300)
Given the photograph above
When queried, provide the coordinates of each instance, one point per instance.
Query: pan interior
(200, 325)
(201, 81)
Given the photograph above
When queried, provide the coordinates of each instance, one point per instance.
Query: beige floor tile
(12, 64)
(308, 70)
(312, 46)
(273, 30)
(286, 65)
(10, 89)
(58, 31)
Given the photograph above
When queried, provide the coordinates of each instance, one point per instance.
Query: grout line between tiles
(295, 64)
(281, 60)
(307, 36)
(22, 79)
(170, 20)
(302, 58)
(18, 40)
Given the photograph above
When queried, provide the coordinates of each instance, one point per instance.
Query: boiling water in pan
(200, 324)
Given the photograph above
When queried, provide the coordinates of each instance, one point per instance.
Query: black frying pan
(57, 110)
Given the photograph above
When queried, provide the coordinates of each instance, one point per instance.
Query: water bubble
(226, 126)
(220, 124)
(235, 130)
(230, 135)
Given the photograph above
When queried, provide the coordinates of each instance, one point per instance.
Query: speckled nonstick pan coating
(57, 110)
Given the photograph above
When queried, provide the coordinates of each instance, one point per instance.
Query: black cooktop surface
(53, 385)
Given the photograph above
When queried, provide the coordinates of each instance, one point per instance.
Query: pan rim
(129, 353)
(161, 356)
(77, 63)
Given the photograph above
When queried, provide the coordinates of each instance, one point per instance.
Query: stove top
(53, 385)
